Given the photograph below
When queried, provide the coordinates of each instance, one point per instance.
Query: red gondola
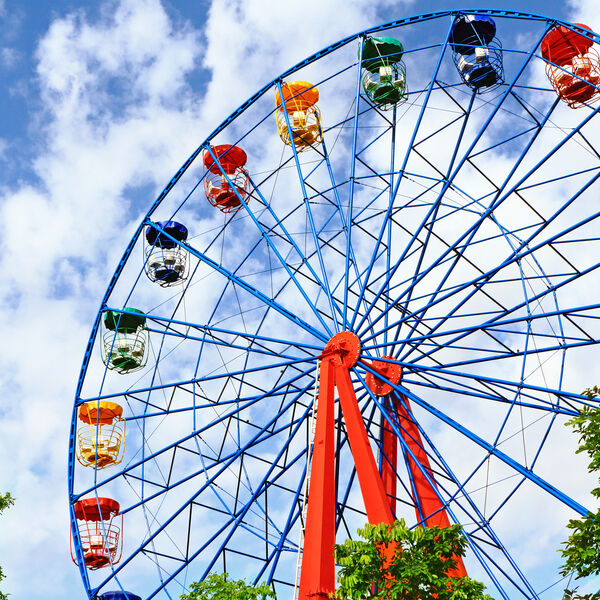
(100, 534)
(226, 179)
(573, 66)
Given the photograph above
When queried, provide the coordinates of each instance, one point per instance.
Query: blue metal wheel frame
(455, 233)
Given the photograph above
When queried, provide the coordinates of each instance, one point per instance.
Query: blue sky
(24, 24)
(101, 103)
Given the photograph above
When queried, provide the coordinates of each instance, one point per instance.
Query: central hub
(389, 370)
(346, 344)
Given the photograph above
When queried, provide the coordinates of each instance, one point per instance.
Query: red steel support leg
(389, 462)
(434, 513)
(317, 576)
(392, 372)
(371, 486)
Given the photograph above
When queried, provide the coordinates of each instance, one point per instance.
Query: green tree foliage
(582, 549)
(573, 595)
(6, 500)
(217, 586)
(393, 562)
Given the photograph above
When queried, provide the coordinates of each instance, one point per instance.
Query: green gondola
(125, 340)
(384, 73)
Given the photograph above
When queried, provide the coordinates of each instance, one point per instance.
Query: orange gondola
(101, 438)
(99, 532)
(573, 66)
(226, 181)
(301, 110)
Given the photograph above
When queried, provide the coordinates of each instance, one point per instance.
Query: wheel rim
(471, 283)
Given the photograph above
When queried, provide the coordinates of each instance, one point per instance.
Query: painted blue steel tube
(408, 453)
(309, 214)
(223, 467)
(348, 224)
(489, 447)
(268, 240)
(449, 180)
(205, 427)
(356, 326)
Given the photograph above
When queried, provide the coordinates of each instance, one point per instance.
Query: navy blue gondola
(476, 52)
(155, 237)
(119, 596)
(166, 259)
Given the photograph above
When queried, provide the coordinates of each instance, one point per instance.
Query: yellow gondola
(101, 437)
(302, 112)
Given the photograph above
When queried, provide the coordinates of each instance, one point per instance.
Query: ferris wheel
(371, 293)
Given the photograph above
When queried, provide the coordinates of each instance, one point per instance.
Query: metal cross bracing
(455, 234)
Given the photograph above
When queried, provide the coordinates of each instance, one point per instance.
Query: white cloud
(585, 11)
(251, 42)
(118, 116)
(9, 57)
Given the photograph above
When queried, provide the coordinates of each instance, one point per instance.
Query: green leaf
(217, 586)
(6, 500)
(582, 549)
(418, 568)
